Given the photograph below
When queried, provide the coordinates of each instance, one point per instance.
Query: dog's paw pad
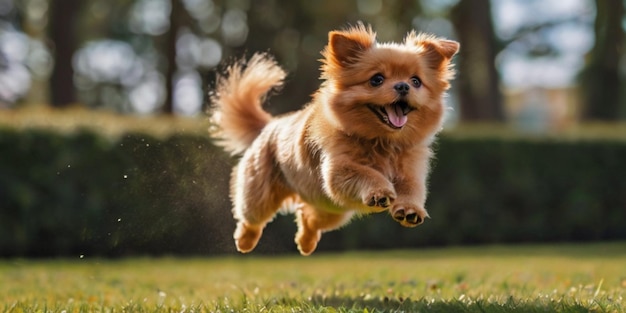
(372, 201)
(382, 199)
(409, 216)
(399, 215)
(414, 219)
(382, 202)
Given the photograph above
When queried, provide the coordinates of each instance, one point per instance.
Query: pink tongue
(396, 116)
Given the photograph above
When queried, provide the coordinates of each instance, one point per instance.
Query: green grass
(544, 278)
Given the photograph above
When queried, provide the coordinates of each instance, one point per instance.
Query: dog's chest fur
(300, 153)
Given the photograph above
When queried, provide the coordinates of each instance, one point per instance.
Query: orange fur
(360, 146)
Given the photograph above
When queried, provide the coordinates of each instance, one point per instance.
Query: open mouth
(394, 114)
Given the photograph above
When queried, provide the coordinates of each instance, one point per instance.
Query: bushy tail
(237, 113)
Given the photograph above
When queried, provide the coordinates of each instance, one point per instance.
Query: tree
(299, 34)
(478, 82)
(177, 10)
(601, 80)
(63, 17)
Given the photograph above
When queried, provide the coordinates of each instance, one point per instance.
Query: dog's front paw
(379, 198)
(408, 215)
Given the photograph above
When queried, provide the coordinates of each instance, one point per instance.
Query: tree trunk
(63, 16)
(601, 80)
(478, 80)
(170, 50)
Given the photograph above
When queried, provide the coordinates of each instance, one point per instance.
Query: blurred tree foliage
(160, 55)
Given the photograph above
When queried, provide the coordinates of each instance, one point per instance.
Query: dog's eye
(416, 81)
(377, 80)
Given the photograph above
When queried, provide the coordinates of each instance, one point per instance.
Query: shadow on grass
(424, 305)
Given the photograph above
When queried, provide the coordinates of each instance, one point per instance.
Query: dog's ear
(436, 51)
(444, 47)
(345, 47)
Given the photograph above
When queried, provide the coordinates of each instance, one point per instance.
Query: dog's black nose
(402, 88)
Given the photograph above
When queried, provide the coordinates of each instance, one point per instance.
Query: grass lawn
(529, 278)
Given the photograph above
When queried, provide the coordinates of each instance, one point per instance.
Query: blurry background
(542, 64)
(544, 78)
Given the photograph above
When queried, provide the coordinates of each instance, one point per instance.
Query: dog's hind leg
(311, 224)
(257, 192)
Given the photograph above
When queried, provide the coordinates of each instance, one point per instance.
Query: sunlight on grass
(492, 279)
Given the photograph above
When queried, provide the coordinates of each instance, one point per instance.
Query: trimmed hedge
(494, 190)
(84, 194)
(87, 194)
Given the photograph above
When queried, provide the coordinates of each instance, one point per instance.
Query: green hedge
(87, 194)
(84, 194)
(494, 190)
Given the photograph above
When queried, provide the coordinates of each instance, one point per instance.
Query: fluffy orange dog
(360, 146)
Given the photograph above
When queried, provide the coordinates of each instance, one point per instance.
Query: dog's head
(385, 90)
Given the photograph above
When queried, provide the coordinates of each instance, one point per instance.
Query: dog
(362, 144)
